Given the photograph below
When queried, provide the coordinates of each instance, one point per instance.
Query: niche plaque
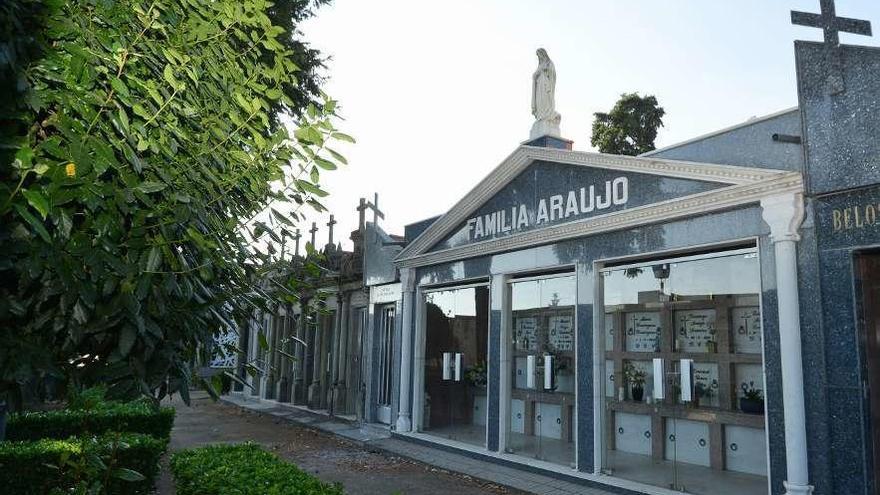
(746, 324)
(561, 335)
(696, 330)
(527, 334)
(643, 332)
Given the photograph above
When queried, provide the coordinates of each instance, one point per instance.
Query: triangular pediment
(543, 189)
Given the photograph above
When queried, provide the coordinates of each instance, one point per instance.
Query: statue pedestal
(545, 128)
(550, 142)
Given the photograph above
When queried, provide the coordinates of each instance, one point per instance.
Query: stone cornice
(710, 201)
(523, 156)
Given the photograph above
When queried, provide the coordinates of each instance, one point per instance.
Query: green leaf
(325, 164)
(311, 188)
(24, 156)
(264, 344)
(120, 87)
(336, 156)
(309, 134)
(140, 111)
(127, 337)
(342, 137)
(281, 217)
(126, 474)
(38, 201)
(154, 259)
(148, 187)
(34, 222)
(168, 74)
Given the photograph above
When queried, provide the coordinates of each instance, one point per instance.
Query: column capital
(408, 279)
(784, 213)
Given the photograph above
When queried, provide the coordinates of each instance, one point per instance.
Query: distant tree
(631, 126)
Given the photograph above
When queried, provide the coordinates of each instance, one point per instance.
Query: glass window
(542, 401)
(456, 368)
(697, 321)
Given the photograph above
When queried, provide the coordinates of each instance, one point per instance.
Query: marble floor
(688, 478)
(543, 448)
(469, 434)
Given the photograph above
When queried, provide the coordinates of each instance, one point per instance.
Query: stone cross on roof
(364, 206)
(312, 231)
(830, 23)
(330, 224)
(296, 238)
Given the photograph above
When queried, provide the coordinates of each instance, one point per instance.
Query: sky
(437, 93)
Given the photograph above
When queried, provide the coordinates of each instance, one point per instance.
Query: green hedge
(244, 469)
(39, 467)
(134, 417)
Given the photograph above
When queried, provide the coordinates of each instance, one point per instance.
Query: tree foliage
(145, 145)
(630, 128)
(305, 89)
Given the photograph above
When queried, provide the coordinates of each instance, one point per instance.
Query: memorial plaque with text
(746, 323)
(706, 383)
(696, 330)
(526, 334)
(643, 332)
(561, 334)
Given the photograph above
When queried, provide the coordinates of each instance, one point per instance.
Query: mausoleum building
(704, 318)
(671, 322)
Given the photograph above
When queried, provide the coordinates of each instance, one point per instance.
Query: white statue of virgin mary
(543, 98)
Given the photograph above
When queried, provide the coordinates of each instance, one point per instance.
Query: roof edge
(749, 122)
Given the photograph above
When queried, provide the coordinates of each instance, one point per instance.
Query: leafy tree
(631, 126)
(144, 148)
(305, 88)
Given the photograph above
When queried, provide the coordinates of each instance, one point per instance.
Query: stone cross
(832, 26)
(830, 23)
(330, 224)
(312, 231)
(363, 206)
(296, 238)
(377, 213)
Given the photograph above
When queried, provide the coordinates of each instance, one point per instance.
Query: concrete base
(315, 395)
(270, 387)
(339, 392)
(404, 424)
(546, 128)
(793, 489)
(284, 390)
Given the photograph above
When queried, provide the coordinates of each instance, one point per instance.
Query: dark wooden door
(869, 275)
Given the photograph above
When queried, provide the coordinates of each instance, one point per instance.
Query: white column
(784, 214)
(407, 282)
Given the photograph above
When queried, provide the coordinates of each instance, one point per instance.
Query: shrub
(135, 417)
(90, 398)
(51, 465)
(244, 469)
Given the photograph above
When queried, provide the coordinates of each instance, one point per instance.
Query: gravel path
(327, 457)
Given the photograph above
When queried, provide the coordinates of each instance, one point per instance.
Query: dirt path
(327, 457)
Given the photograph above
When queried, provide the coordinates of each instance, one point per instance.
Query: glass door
(684, 380)
(455, 373)
(542, 400)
